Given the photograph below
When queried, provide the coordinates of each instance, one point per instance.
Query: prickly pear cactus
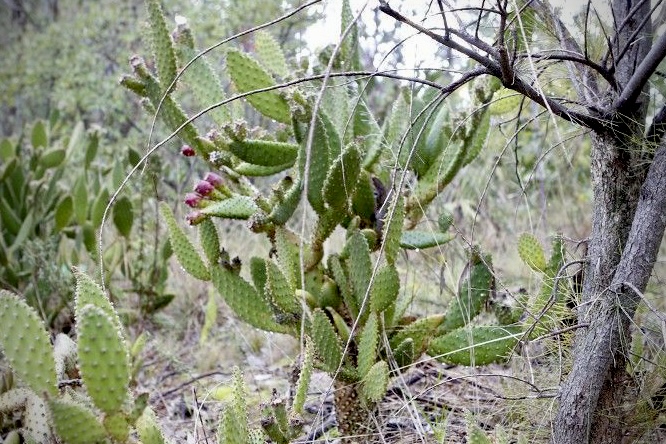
(103, 410)
(332, 159)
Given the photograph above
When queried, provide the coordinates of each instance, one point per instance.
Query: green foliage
(103, 410)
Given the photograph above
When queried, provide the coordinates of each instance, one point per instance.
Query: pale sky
(421, 47)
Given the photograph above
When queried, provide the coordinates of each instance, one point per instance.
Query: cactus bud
(214, 179)
(204, 188)
(218, 182)
(193, 200)
(187, 151)
(195, 217)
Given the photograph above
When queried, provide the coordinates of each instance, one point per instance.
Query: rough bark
(627, 227)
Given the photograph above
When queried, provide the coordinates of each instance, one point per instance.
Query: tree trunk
(591, 400)
(629, 213)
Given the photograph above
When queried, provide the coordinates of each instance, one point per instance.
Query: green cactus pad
(367, 129)
(26, 344)
(393, 229)
(283, 210)
(404, 353)
(148, 429)
(326, 341)
(556, 260)
(363, 200)
(267, 153)
(320, 155)
(251, 170)
(419, 240)
(245, 301)
(304, 378)
(479, 137)
(204, 81)
(385, 288)
(472, 295)
(444, 168)
(235, 207)
(270, 53)
(52, 158)
(117, 427)
(342, 177)
(367, 345)
(170, 112)
(359, 265)
(344, 286)
(103, 359)
(234, 427)
(89, 292)
(97, 210)
(280, 292)
(341, 326)
(258, 272)
(247, 75)
(531, 252)
(209, 241)
(478, 345)
(76, 424)
(162, 44)
(329, 295)
(286, 245)
(504, 102)
(187, 256)
(375, 382)
(420, 331)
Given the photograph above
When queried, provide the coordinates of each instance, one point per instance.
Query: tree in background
(613, 70)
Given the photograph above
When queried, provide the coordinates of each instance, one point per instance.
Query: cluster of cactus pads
(78, 391)
(337, 159)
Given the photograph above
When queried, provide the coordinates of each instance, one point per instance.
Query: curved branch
(603, 72)
(444, 40)
(647, 67)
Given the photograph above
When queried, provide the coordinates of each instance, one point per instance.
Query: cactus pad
(327, 342)
(187, 256)
(248, 76)
(367, 345)
(149, 431)
(476, 345)
(376, 382)
(267, 153)
(235, 207)
(385, 288)
(472, 296)
(245, 301)
(76, 424)
(531, 252)
(418, 240)
(26, 344)
(103, 359)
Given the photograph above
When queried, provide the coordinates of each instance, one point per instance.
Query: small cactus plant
(103, 409)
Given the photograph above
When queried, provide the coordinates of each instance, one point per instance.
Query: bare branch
(605, 73)
(631, 40)
(444, 40)
(641, 75)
